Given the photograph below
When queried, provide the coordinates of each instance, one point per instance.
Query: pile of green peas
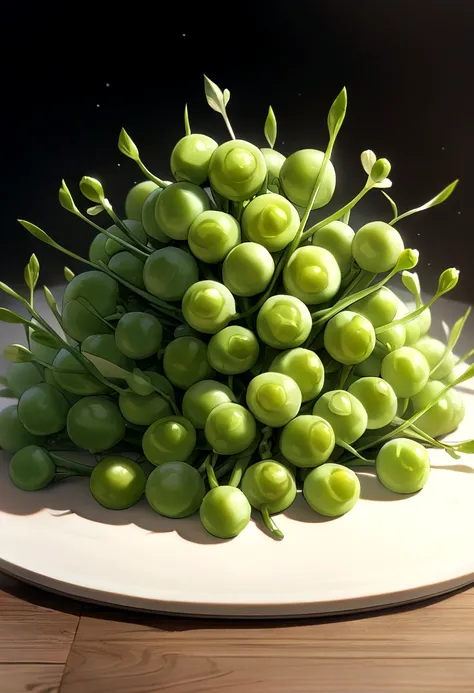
(241, 357)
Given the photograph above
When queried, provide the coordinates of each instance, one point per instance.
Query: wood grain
(34, 626)
(430, 648)
(30, 678)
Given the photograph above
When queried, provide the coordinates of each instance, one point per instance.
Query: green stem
(128, 246)
(337, 215)
(466, 356)
(118, 222)
(187, 126)
(345, 373)
(239, 470)
(209, 466)
(228, 125)
(150, 175)
(270, 523)
(85, 304)
(349, 448)
(84, 469)
(408, 317)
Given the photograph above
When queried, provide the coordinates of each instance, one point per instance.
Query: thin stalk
(70, 464)
(209, 466)
(150, 175)
(128, 246)
(118, 222)
(337, 215)
(270, 523)
(465, 356)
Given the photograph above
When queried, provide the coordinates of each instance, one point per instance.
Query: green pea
(331, 489)
(95, 424)
(298, 176)
(312, 275)
(190, 158)
(433, 350)
(138, 335)
(403, 465)
(135, 228)
(202, 397)
(81, 384)
(177, 207)
(185, 362)
(143, 410)
(31, 468)
(307, 441)
(169, 272)
(283, 322)
(225, 512)
(171, 439)
(43, 409)
(161, 383)
(412, 328)
(208, 306)
(273, 398)
(344, 413)
(136, 197)
(305, 367)
(13, 435)
(248, 269)
(128, 267)
(42, 352)
(380, 307)
(104, 346)
(270, 220)
(371, 367)
(337, 237)
(406, 370)
(233, 350)
(101, 291)
(443, 417)
(175, 489)
(349, 338)
(237, 170)
(148, 218)
(270, 484)
(394, 338)
(117, 482)
(21, 376)
(230, 428)
(97, 251)
(274, 161)
(212, 235)
(378, 399)
(377, 246)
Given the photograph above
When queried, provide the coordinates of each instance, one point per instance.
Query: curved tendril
(77, 467)
(353, 451)
(270, 523)
(239, 470)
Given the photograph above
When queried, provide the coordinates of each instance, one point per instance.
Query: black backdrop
(72, 76)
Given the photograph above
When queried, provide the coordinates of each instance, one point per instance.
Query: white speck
(107, 84)
(299, 94)
(134, 182)
(442, 149)
(429, 264)
(98, 105)
(459, 212)
(184, 34)
(283, 142)
(118, 164)
(417, 234)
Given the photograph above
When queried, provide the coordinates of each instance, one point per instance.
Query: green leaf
(436, 200)
(66, 200)
(270, 128)
(367, 159)
(392, 204)
(215, 97)
(9, 316)
(68, 274)
(337, 113)
(92, 189)
(452, 340)
(31, 272)
(106, 368)
(411, 281)
(467, 447)
(10, 292)
(95, 210)
(226, 95)
(187, 127)
(7, 393)
(50, 300)
(127, 146)
(18, 353)
(45, 339)
(38, 233)
(139, 383)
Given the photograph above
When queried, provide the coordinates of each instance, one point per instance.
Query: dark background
(72, 74)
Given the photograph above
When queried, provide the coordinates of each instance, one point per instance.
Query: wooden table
(51, 644)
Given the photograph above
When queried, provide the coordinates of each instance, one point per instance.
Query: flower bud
(407, 259)
(447, 280)
(380, 170)
(65, 199)
(92, 189)
(411, 282)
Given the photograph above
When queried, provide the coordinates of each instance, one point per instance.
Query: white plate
(389, 549)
